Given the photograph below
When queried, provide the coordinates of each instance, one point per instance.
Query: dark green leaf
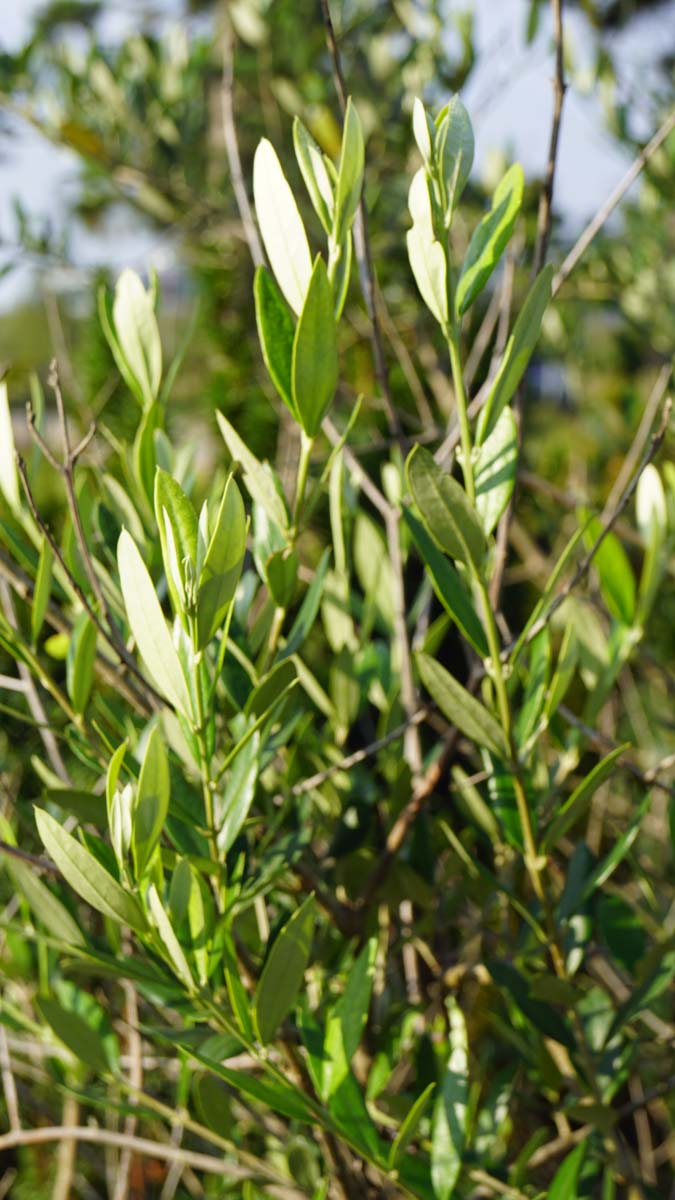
(448, 585)
(284, 971)
(460, 707)
(315, 364)
(490, 238)
(276, 330)
(445, 509)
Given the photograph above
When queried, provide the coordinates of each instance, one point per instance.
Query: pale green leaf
(148, 625)
(460, 707)
(281, 226)
(138, 334)
(495, 470)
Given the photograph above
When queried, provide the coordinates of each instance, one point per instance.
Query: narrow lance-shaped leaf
(445, 509)
(564, 1183)
(284, 971)
(347, 1019)
(350, 173)
(137, 334)
(314, 173)
(257, 479)
(84, 1042)
(148, 625)
(43, 584)
(80, 661)
(168, 938)
(460, 707)
(281, 226)
(152, 801)
(177, 526)
(232, 810)
(48, 909)
(222, 565)
(490, 238)
(517, 353)
(86, 876)
(454, 149)
(315, 362)
(276, 330)
(9, 478)
(447, 585)
(495, 471)
(448, 1126)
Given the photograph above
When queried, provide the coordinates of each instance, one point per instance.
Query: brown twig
(605, 211)
(362, 243)
(33, 860)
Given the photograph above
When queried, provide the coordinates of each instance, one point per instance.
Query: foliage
(347, 870)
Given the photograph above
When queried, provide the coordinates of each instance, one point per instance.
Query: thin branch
(145, 1146)
(609, 522)
(644, 429)
(8, 1083)
(546, 197)
(362, 242)
(359, 756)
(232, 150)
(605, 211)
(33, 860)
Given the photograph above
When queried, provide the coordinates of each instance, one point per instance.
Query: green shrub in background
(356, 887)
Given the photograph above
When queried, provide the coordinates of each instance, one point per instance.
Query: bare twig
(8, 1083)
(609, 522)
(362, 243)
(605, 211)
(33, 860)
(546, 197)
(637, 446)
(359, 756)
(67, 1151)
(232, 150)
(135, 1046)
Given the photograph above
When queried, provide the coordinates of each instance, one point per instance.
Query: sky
(509, 96)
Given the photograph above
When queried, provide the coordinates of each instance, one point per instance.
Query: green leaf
(350, 174)
(346, 1021)
(449, 1121)
(315, 363)
(148, 625)
(270, 688)
(308, 609)
(425, 253)
(460, 707)
(280, 1098)
(622, 930)
(424, 131)
(284, 971)
(615, 574)
(281, 226)
(80, 661)
(373, 567)
(43, 587)
(619, 850)
(177, 525)
(86, 876)
(152, 802)
(220, 573)
(576, 804)
(348, 1110)
(276, 330)
(448, 586)
(495, 470)
(644, 996)
(233, 809)
(9, 476)
(517, 353)
(281, 573)
(490, 238)
(258, 480)
(168, 938)
(314, 173)
(454, 146)
(445, 509)
(84, 1042)
(137, 334)
(409, 1126)
(566, 1178)
(45, 905)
